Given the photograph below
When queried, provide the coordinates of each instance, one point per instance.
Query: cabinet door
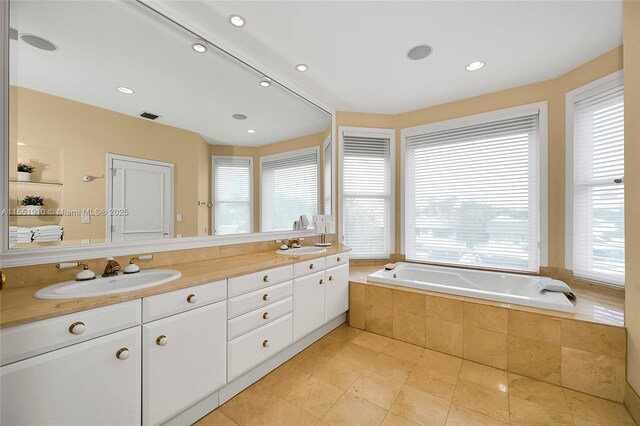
(308, 304)
(184, 360)
(83, 384)
(337, 292)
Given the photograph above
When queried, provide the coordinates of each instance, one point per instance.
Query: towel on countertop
(557, 286)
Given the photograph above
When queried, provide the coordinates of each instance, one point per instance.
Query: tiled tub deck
(577, 351)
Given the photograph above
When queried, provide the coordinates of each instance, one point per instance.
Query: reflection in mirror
(126, 127)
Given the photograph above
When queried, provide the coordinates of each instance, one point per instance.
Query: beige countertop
(19, 306)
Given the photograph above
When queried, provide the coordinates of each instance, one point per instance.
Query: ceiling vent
(39, 42)
(149, 115)
(419, 52)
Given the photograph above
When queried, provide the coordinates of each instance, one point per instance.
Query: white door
(184, 360)
(139, 199)
(336, 292)
(308, 304)
(83, 384)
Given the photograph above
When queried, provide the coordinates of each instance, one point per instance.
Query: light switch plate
(179, 217)
(85, 217)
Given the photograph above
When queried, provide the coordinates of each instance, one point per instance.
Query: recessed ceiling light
(125, 90)
(419, 52)
(21, 143)
(302, 67)
(239, 116)
(475, 66)
(251, 131)
(199, 46)
(39, 42)
(265, 83)
(236, 20)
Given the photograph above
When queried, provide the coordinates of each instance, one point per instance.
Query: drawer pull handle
(265, 344)
(266, 278)
(266, 297)
(162, 340)
(122, 354)
(321, 281)
(192, 298)
(265, 315)
(312, 266)
(77, 328)
(339, 259)
(330, 277)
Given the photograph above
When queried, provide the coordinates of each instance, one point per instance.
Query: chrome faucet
(112, 268)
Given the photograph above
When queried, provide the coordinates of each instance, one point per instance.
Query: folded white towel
(48, 238)
(46, 228)
(549, 284)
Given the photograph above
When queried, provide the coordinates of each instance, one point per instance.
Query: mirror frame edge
(25, 257)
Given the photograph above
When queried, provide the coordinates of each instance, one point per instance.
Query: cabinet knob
(312, 266)
(321, 281)
(77, 328)
(192, 298)
(266, 297)
(162, 340)
(265, 315)
(339, 259)
(330, 277)
(265, 344)
(122, 354)
(266, 278)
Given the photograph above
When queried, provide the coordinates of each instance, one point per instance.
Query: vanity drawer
(258, 299)
(251, 349)
(165, 304)
(249, 321)
(27, 340)
(247, 283)
(309, 267)
(337, 259)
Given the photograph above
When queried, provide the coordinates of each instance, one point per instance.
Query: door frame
(110, 157)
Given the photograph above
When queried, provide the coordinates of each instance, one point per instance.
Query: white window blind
(289, 188)
(328, 161)
(366, 192)
(232, 195)
(598, 201)
(471, 193)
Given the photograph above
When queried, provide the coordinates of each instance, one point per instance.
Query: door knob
(330, 277)
(266, 297)
(265, 315)
(162, 340)
(311, 266)
(266, 278)
(265, 344)
(122, 354)
(192, 298)
(321, 281)
(339, 259)
(77, 328)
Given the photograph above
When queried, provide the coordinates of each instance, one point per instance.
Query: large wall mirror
(124, 126)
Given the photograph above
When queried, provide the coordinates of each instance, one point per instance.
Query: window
(367, 191)
(328, 175)
(597, 199)
(232, 189)
(289, 188)
(471, 191)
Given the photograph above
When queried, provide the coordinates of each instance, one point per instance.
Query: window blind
(232, 195)
(366, 191)
(328, 160)
(471, 195)
(598, 201)
(289, 189)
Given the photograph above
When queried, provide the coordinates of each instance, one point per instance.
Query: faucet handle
(85, 275)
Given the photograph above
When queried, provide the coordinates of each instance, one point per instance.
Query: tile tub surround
(556, 349)
(353, 377)
(18, 306)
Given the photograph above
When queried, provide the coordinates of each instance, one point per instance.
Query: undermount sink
(121, 283)
(301, 251)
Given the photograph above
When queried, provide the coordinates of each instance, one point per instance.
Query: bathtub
(497, 286)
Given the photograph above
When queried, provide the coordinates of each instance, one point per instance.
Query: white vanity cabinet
(184, 354)
(96, 382)
(320, 296)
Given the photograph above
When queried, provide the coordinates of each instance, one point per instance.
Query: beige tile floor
(353, 377)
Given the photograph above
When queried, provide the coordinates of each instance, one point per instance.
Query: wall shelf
(35, 183)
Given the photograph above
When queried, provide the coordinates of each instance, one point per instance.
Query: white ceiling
(105, 44)
(356, 49)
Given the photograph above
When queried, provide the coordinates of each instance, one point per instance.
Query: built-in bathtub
(500, 287)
